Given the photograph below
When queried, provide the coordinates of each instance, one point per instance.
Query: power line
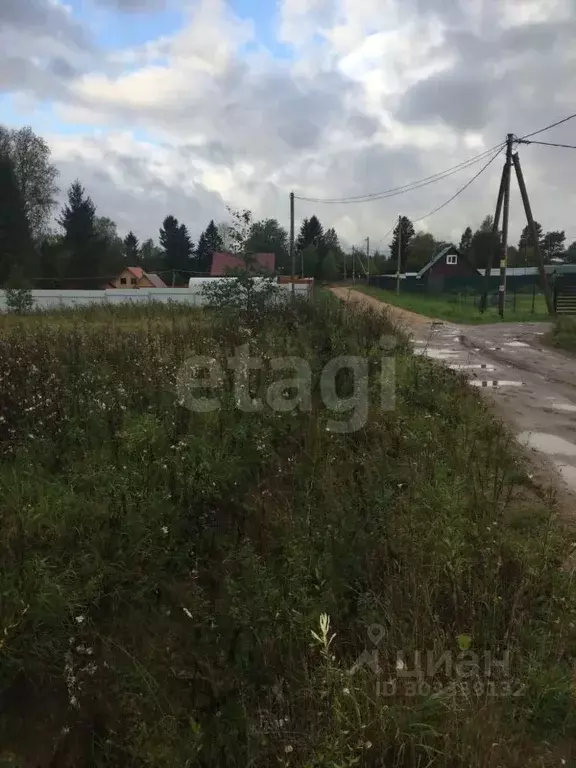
(547, 144)
(472, 180)
(548, 127)
(406, 187)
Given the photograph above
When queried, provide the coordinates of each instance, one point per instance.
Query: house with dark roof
(136, 277)
(449, 262)
(223, 263)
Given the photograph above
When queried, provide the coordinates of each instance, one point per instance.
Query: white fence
(58, 298)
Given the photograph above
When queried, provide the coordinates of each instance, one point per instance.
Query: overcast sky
(187, 106)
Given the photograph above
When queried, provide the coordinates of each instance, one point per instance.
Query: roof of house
(444, 252)
(156, 281)
(222, 262)
(138, 272)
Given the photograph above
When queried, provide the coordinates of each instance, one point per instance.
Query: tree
(78, 220)
(239, 232)
(35, 175)
(210, 242)
(131, 249)
(421, 249)
(485, 245)
(570, 253)
(526, 236)
(16, 246)
(553, 244)
(466, 242)
(151, 256)
(110, 260)
(310, 261)
(176, 245)
(406, 229)
(267, 236)
(330, 270)
(311, 233)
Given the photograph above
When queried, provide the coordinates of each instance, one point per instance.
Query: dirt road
(533, 387)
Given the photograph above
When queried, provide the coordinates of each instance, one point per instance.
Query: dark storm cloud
(459, 100)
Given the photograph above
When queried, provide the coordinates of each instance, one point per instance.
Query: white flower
(164, 530)
(80, 619)
(399, 665)
(367, 744)
(288, 748)
(346, 691)
(187, 612)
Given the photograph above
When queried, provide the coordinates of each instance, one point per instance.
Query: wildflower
(346, 691)
(367, 744)
(288, 748)
(164, 530)
(80, 619)
(187, 612)
(400, 665)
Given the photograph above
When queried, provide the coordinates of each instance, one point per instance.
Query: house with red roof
(222, 263)
(136, 277)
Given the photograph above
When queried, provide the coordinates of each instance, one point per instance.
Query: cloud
(375, 94)
(134, 6)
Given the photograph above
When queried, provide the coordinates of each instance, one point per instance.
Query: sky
(186, 107)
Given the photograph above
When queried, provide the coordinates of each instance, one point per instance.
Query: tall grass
(164, 572)
(564, 333)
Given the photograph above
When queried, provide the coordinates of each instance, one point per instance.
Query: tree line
(87, 251)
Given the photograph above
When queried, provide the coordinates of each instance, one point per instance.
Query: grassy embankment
(163, 570)
(563, 333)
(461, 309)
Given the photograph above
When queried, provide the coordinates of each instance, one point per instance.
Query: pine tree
(78, 219)
(17, 251)
(466, 242)
(131, 249)
(311, 233)
(526, 236)
(405, 227)
(176, 245)
(210, 242)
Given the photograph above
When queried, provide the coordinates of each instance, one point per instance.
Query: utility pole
(505, 220)
(292, 253)
(368, 261)
(496, 224)
(354, 266)
(173, 278)
(533, 234)
(399, 255)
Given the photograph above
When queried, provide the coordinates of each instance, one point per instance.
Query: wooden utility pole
(505, 221)
(533, 234)
(368, 261)
(399, 255)
(292, 252)
(495, 226)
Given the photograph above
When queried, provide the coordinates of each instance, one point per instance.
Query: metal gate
(565, 295)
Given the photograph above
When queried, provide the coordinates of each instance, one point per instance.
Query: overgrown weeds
(250, 589)
(564, 333)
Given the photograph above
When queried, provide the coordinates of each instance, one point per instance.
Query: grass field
(563, 333)
(461, 309)
(193, 589)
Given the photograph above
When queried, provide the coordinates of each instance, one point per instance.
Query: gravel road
(533, 387)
